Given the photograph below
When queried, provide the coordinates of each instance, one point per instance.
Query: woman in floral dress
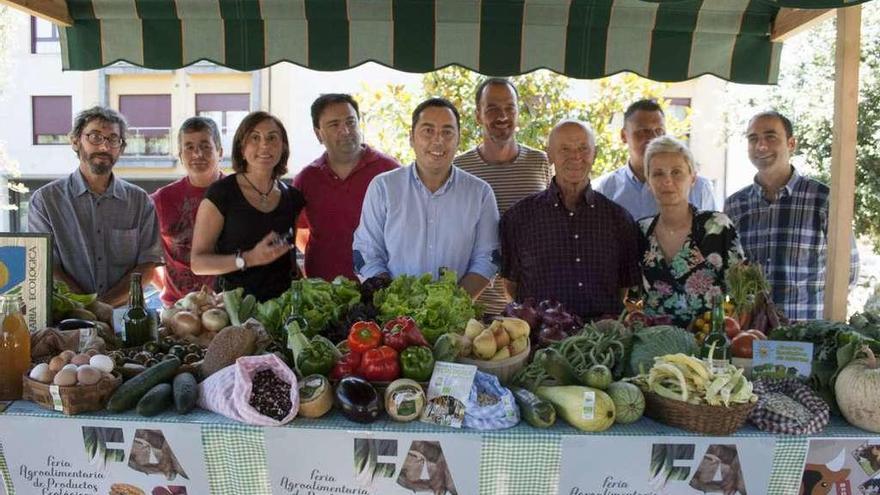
(685, 252)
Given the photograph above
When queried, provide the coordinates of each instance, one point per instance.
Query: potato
(102, 310)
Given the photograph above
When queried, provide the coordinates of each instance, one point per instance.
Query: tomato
(731, 327)
(741, 345)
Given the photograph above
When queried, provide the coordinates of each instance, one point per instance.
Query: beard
(99, 163)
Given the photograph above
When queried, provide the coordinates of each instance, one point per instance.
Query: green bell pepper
(417, 363)
(318, 358)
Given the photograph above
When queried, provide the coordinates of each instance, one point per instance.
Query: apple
(731, 327)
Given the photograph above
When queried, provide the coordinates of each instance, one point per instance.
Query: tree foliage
(544, 98)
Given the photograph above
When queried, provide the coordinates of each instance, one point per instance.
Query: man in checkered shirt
(782, 220)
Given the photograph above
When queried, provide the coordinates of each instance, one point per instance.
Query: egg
(88, 375)
(56, 363)
(102, 362)
(65, 378)
(80, 359)
(67, 355)
(70, 366)
(42, 373)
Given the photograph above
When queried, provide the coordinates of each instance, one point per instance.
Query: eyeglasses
(97, 139)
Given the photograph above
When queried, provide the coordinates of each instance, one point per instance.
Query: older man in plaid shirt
(782, 220)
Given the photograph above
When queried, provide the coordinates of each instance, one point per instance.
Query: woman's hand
(269, 249)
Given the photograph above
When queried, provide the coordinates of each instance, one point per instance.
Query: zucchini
(186, 392)
(557, 366)
(538, 413)
(129, 393)
(156, 400)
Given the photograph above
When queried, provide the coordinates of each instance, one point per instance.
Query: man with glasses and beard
(104, 228)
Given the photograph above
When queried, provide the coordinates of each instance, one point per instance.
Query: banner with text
(80, 457)
(329, 462)
(665, 465)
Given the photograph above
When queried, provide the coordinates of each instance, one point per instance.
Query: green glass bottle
(717, 335)
(137, 321)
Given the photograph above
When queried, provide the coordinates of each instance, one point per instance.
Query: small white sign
(371, 463)
(448, 393)
(611, 465)
(87, 457)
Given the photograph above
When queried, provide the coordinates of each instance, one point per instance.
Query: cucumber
(538, 413)
(156, 400)
(129, 393)
(186, 393)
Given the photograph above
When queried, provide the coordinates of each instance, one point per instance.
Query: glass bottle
(137, 325)
(15, 347)
(717, 335)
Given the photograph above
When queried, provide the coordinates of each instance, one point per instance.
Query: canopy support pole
(843, 161)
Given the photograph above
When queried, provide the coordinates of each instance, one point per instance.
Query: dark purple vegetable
(551, 334)
(358, 399)
(525, 311)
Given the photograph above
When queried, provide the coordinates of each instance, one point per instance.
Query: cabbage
(659, 340)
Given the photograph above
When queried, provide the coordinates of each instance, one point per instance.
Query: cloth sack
(776, 413)
(228, 391)
(483, 411)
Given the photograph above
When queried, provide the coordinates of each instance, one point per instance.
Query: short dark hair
(786, 123)
(328, 99)
(239, 164)
(435, 102)
(643, 105)
(492, 80)
(199, 124)
(103, 114)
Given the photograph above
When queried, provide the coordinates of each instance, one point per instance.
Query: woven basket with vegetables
(695, 395)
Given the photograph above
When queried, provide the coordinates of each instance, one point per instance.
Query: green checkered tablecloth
(518, 461)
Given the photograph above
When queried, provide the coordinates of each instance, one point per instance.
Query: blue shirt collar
(79, 186)
(414, 175)
(632, 176)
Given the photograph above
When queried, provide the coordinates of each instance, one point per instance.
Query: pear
(501, 337)
(504, 353)
(518, 345)
(484, 346)
(515, 327)
(473, 328)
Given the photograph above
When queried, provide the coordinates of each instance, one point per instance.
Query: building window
(227, 110)
(149, 124)
(51, 119)
(679, 109)
(45, 36)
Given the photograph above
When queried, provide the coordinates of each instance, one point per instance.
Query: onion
(167, 313)
(185, 323)
(214, 320)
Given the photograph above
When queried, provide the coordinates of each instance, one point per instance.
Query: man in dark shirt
(569, 242)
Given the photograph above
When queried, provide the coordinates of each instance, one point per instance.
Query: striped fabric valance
(666, 40)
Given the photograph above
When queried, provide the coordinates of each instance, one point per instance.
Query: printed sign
(448, 393)
(846, 465)
(654, 465)
(26, 270)
(778, 359)
(329, 462)
(82, 457)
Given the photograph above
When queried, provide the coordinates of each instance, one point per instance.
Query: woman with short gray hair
(685, 252)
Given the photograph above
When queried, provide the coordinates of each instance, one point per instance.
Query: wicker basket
(71, 400)
(504, 369)
(699, 418)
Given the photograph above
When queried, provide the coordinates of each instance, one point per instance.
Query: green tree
(545, 99)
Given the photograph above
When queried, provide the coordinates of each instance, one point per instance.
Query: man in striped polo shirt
(512, 169)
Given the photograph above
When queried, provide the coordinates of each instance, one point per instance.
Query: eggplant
(358, 400)
(75, 324)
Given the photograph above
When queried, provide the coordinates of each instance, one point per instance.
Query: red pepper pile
(374, 352)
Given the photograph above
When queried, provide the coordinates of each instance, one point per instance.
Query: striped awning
(665, 40)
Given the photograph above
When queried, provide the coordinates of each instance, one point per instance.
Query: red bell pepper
(380, 365)
(402, 332)
(364, 335)
(347, 365)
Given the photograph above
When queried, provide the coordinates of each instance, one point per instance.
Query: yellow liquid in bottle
(15, 355)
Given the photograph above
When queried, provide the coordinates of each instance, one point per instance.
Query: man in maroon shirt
(177, 204)
(334, 186)
(569, 242)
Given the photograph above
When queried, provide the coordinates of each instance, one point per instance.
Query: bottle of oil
(717, 335)
(137, 322)
(15, 347)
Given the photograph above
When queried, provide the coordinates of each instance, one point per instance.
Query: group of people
(513, 222)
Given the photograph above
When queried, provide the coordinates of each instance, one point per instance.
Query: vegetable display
(318, 302)
(437, 306)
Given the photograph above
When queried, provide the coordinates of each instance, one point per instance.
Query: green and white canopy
(664, 40)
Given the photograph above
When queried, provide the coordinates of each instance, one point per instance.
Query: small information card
(448, 393)
(778, 359)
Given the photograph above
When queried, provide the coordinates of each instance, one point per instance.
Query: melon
(857, 389)
(629, 402)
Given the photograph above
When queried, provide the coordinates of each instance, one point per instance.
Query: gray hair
(97, 113)
(564, 122)
(668, 144)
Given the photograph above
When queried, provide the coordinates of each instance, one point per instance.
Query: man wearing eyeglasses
(176, 204)
(104, 228)
(643, 121)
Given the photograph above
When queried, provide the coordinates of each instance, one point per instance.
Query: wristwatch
(239, 261)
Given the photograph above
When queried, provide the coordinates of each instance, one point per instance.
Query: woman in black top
(246, 224)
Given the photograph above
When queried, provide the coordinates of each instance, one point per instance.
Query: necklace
(264, 196)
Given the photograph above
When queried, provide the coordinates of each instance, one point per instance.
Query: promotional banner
(665, 465)
(844, 465)
(316, 462)
(80, 457)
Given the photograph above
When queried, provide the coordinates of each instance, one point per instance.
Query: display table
(316, 456)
